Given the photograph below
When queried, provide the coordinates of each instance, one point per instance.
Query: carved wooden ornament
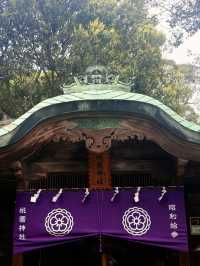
(99, 141)
(96, 141)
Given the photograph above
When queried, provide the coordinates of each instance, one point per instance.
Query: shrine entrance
(115, 252)
(122, 154)
(102, 173)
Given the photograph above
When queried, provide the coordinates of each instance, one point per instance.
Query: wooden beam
(116, 165)
(138, 165)
(54, 167)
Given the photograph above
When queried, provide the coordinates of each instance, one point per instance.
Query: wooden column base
(17, 260)
(104, 259)
(184, 259)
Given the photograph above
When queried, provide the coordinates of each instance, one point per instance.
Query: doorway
(86, 253)
(83, 252)
(123, 253)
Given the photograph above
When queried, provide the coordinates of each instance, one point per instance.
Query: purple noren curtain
(149, 221)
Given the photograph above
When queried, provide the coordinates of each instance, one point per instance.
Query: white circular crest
(136, 221)
(59, 222)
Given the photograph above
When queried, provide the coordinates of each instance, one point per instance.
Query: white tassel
(116, 192)
(137, 195)
(87, 193)
(35, 197)
(57, 196)
(164, 191)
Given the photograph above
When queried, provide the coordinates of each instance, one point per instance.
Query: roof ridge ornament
(96, 75)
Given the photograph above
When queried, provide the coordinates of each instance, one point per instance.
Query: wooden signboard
(99, 170)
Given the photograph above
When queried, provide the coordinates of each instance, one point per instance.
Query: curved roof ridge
(103, 95)
(121, 102)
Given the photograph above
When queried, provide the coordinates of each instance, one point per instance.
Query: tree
(186, 14)
(183, 16)
(44, 43)
(176, 89)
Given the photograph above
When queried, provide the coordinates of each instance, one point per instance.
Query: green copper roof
(100, 93)
(96, 98)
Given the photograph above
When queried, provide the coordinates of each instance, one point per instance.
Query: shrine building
(100, 176)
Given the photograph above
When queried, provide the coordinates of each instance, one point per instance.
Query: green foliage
(44, 43)
(183, 17)
(175, 91)
(23, 92)
(185, 14)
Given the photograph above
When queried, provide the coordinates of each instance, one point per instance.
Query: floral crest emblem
(59, 222)
(136, 221)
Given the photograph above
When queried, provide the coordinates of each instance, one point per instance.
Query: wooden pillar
(7, 206)
(184, 259)
(181, 165)
(17, 260)
(104, 259)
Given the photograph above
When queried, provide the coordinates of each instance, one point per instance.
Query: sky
(183, 53)
(180, 54)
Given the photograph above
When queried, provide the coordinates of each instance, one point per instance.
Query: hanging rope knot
(163, 192)
(35, 197)
(57, 196)
(116, 192)
(137, 195)
(87, 193)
